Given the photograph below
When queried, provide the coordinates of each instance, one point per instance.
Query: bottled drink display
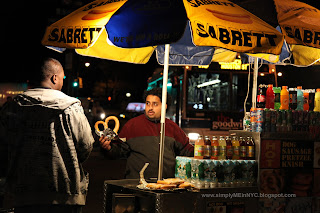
(206, 174)
(300, 114)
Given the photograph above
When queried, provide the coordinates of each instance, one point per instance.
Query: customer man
(142, 136)
(48, 137)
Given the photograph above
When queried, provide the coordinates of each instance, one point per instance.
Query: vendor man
(142, 136)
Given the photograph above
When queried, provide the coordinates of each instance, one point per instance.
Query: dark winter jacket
(49, 137)
(142, 138)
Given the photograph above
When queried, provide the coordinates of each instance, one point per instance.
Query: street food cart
(288, 180)
(124, 196)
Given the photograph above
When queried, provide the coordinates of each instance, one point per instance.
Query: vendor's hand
(105, 142)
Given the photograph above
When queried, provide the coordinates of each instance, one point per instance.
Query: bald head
(52, 74)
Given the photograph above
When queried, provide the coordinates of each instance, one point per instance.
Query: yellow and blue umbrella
(142, 23)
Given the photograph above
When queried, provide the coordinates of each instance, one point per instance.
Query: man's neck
(46, 85)
(154, 120)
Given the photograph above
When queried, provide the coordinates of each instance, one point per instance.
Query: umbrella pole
(255, 82)
(163, 108)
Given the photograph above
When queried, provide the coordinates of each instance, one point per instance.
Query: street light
(87, 64)
(128, 94)
(75, 83)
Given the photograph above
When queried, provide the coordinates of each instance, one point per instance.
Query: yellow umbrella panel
(102, 49)
(225, 24)
(81, 28)
(299, 22)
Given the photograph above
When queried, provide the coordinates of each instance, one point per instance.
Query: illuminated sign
(236, 65)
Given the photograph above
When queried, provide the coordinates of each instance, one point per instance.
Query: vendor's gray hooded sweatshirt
(48, 136)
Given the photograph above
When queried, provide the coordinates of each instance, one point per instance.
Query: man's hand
(105, 142)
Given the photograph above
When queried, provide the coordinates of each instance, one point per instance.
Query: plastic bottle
(199, 148)
(284, 98)
(250, 148)
(229, 148)
(317, 101)
(214, 148)
(306, 101)
(312, 94)
(236, 148)
(292, 98)
(300, 98)
(222, 148)
(261, 99)
(270, 97)
(276, 91)
(207, 148)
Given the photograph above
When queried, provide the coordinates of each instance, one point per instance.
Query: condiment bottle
(284, 98)
(222, 148)
(214, 148)
(199, 148)
(207, 148)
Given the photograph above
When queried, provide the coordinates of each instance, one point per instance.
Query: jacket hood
(50, 98)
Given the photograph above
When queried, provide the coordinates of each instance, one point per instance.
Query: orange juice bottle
(214, 148)
(284, 98)
(199, 148)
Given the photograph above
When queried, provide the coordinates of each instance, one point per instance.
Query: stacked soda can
(256, 118)
(288, 121)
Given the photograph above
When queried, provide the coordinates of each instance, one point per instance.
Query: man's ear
(53, 79)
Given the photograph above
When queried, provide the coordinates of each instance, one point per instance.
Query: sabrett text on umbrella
(234, 37)
(305, 35)
(73, 35)
(197, 3)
